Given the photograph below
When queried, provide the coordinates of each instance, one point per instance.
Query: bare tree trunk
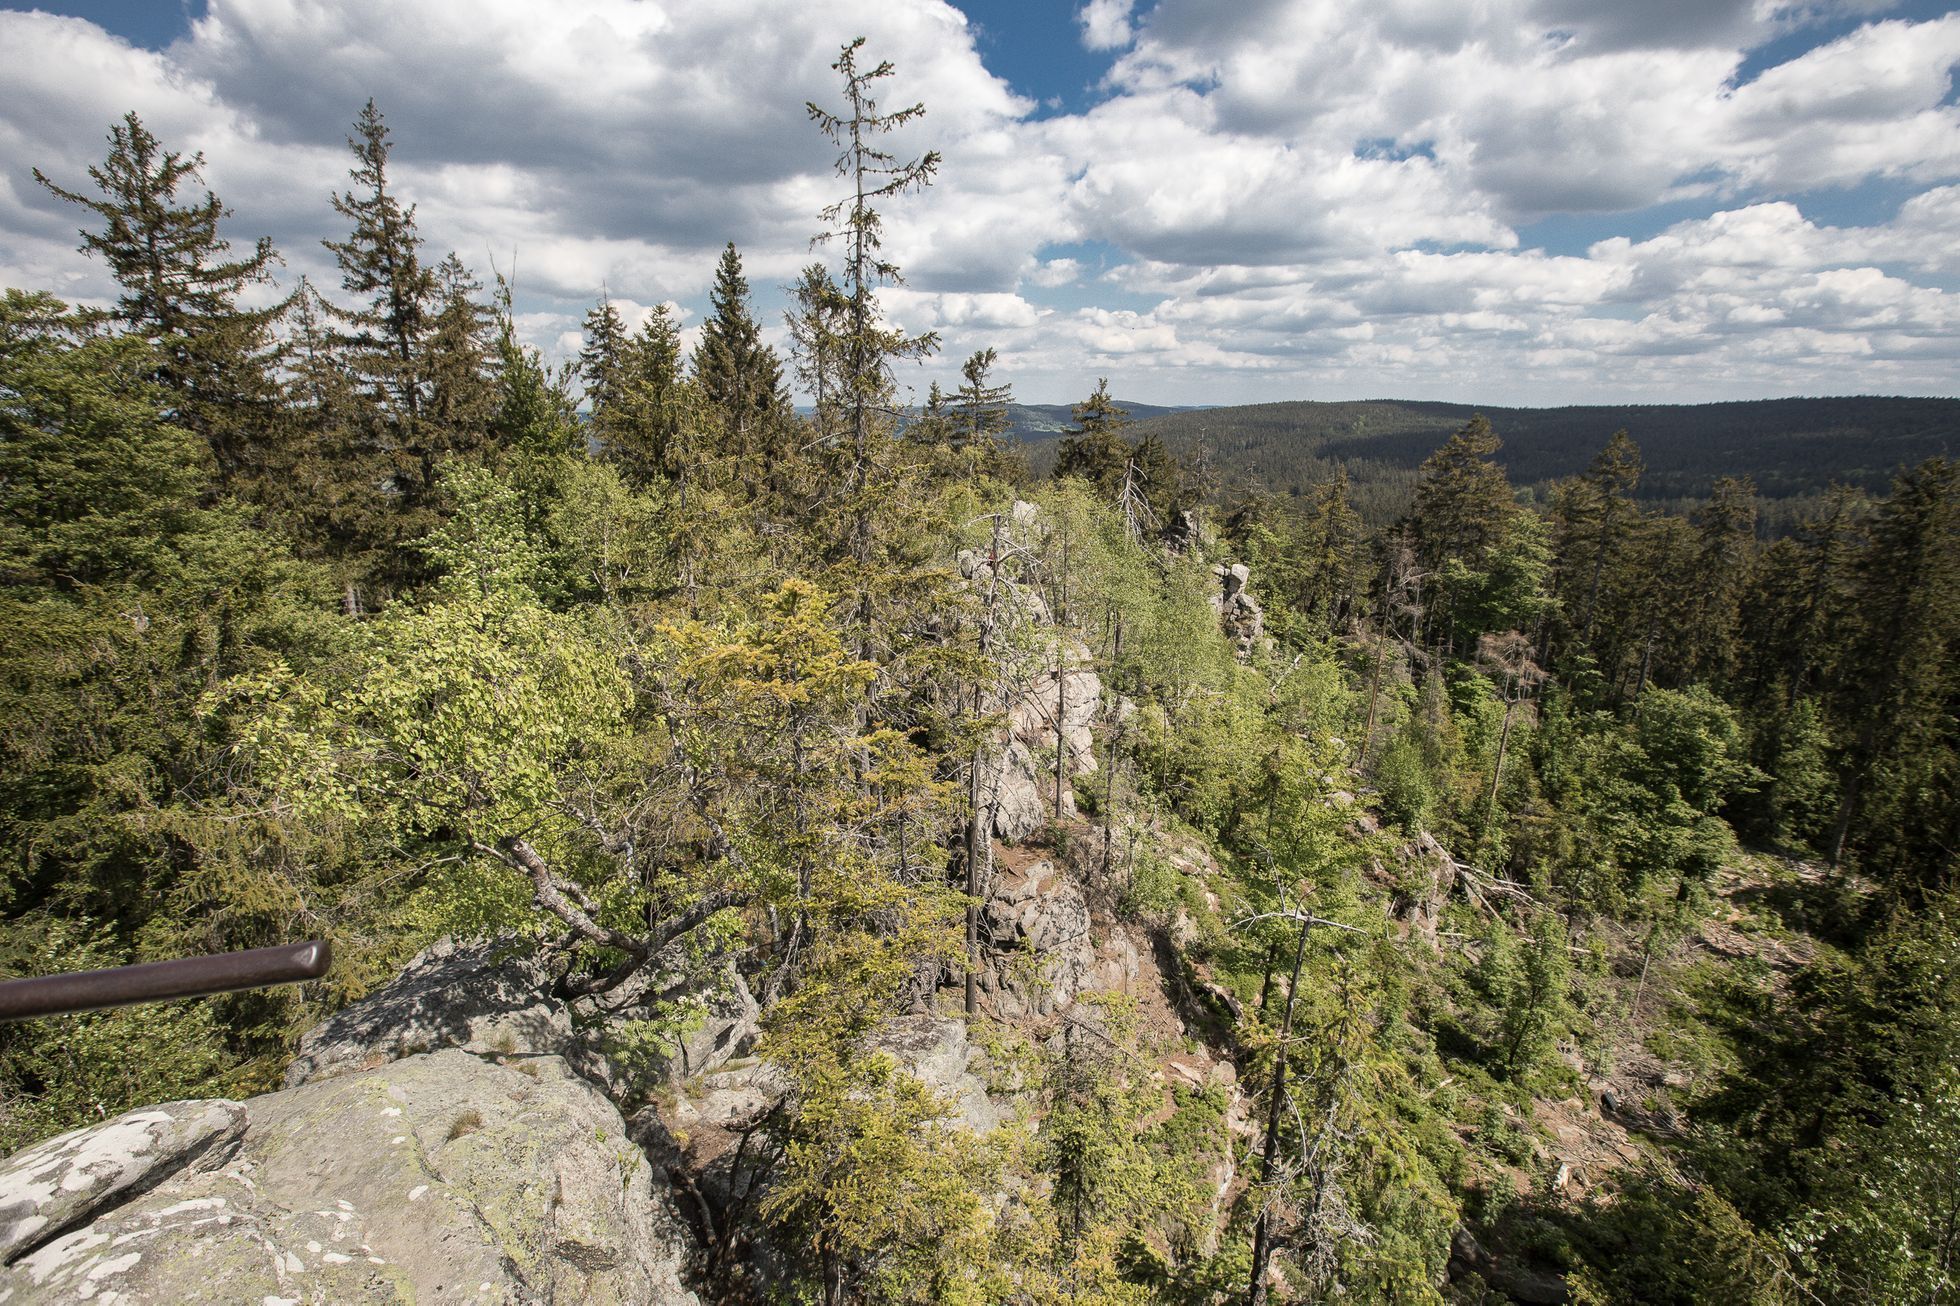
(1266, 984)
(1374, 698)
(1646, 664)
(980, 815)
(1061, 720)
(1503, 739)
(1115, 751)
(1109, 798)
(1262, 1247)
(976, 835)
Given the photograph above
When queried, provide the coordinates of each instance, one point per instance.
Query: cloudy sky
(1506, 201)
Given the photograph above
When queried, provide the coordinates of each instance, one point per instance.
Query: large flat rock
(437, 1178)
(53, 1186)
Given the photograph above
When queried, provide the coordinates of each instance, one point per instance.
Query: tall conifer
(1094, 448)
(740, 378)
(867, 347)
(181, 292)
(381, 264)
(601, 358)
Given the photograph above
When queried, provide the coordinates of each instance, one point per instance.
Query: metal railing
(163, 981)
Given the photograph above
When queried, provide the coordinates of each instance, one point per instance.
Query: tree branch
(550, 895)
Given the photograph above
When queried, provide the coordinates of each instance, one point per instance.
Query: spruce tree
(641, 434)
(1463, 514)
(1463, 503)
(867, 348)
(1725, 527)
(1898, 810)
(461, 362)
(816, 331)
(418, 357)
(1332, 550)
(381, 264)
(1798, 616)
(601, 359)
(181, 291)
(1156, 477)
(536, 418)
(931, 428)
(1094, 448)
(1611, 480)
(980, 403)
(739, 377)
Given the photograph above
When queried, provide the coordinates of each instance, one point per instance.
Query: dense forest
(1540, 896)
(1793, 449)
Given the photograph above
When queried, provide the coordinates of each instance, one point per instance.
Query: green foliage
(1663, 1243)
(693, 686)
(1408, 796)
(1884, 1229)
(883, 1197)
(67, 1071)
(127, 598)
(739, 377)
(1802, 794)
(1529, 983)
(213, 360)
(1094, 450)
(459, 715)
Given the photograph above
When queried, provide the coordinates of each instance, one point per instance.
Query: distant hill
(1792, 448)
(1033, 423)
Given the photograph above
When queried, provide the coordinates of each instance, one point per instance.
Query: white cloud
(1282, 198)
(1053, 273)
(1106, 23)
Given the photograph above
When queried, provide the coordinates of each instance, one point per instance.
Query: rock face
(51, 1187)
(703, 1135)
(1040, 952)
(1239, 614)
(484, 998)
(1045, 712)
(1053, 697)
(441, 1177)
(1017, 799)
(495, 999)
(934, 1048)
(730, 1027)
(1428, 873)
(1183, 532)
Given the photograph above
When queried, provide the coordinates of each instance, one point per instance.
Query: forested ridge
(1793, 449)
(1543, 890)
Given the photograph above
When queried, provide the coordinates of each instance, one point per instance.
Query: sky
(1515, 202)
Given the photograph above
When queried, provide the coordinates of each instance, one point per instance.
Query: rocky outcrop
(1426, 875)
(935, 1050)
(482, 997)
(709, 1111)
(496, 999)
(1183, 532)
(1046, 713)
(1017, 796)
(1239, 614)
(1040, 953)
(730, 1026)
(51, 1187)
(440, 1177)
(711, 1137)
(1049, 695)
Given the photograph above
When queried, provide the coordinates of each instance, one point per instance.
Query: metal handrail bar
(163, 981)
